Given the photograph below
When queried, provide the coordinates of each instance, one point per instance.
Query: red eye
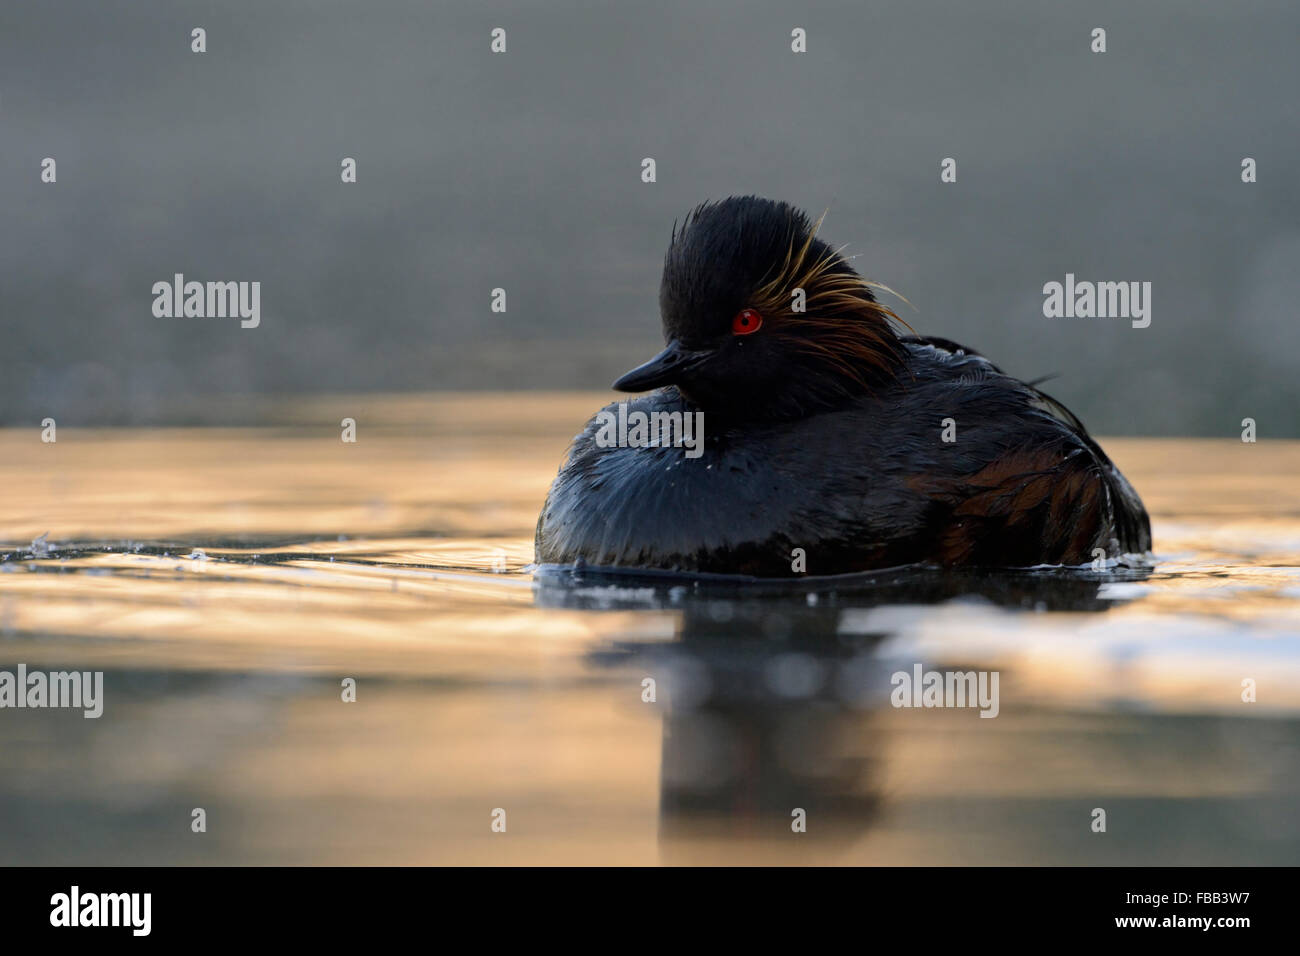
(746, 322)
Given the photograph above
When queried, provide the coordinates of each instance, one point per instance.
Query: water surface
(227, 581)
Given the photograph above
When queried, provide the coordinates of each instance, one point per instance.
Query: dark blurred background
(522, 171)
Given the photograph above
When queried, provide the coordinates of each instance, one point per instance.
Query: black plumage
(824, 432)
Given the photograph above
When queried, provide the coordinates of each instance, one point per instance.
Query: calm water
(227, 581)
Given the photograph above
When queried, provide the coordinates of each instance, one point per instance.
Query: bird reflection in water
(768, 693)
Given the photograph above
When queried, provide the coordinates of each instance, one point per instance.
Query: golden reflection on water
(227, 580)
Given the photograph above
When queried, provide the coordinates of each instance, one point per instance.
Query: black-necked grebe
(793, 430)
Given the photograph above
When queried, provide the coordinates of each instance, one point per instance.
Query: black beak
(664, 369)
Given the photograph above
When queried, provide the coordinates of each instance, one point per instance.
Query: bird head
(764, 319)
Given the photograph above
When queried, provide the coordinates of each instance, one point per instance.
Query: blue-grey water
(522, 171)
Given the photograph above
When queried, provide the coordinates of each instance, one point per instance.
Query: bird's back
(954, 464)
